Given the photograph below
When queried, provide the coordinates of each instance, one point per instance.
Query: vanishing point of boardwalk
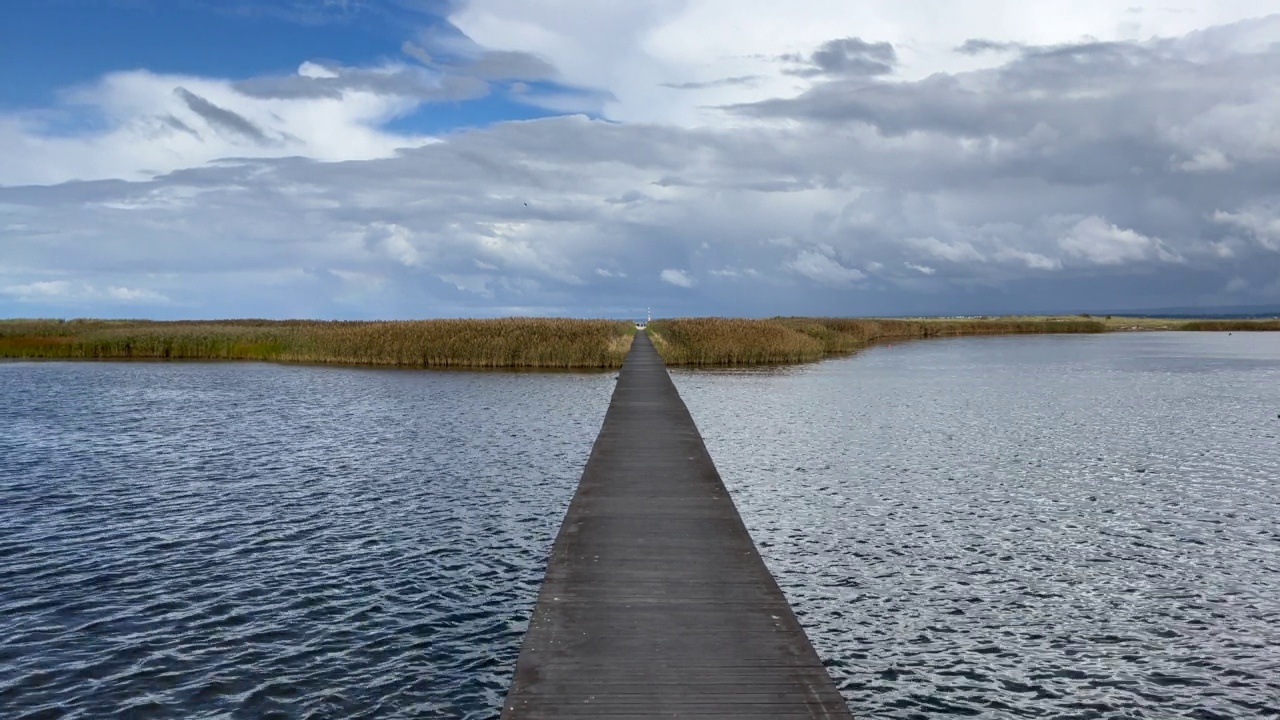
(656, 602)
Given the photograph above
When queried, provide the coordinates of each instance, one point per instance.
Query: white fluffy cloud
(150, 124)
(679, 278)
(1102, 243)
(1262, 223)
(820, 268)
(64, 292)
(394, 241)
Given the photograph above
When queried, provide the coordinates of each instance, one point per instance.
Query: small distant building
(642, 324)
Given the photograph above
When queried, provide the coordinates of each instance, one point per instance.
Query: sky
(387, 159)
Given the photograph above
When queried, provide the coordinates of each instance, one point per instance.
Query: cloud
(139, 125)
(509, 65)
(1154, 95)
(476, 284)
(1058, 177)
(177, 124)
(335, 82)
(1032, 260)
(679, 278)
(42, 289)
(417, 52)
(719, 83)
(458, 56)
(977, 46)
(1235, 286)
(956, 252)
(64, 292)
(632, 49)
(219, 118)
(129, 295)
(1207, 160)
(1102, 243)
(394, 241)
(822, 269)
(851, 57)
(565, 100)
(1261, 222)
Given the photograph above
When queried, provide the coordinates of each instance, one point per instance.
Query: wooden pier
(656, 603)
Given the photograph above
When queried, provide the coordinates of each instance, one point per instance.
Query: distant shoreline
(530, 343)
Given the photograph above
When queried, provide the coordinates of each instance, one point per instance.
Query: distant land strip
(527, 342)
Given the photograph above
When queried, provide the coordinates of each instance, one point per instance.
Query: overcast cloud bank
(830, 180)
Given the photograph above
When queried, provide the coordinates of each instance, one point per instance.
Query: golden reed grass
(717, 341)
(506, 343)
(520, 342)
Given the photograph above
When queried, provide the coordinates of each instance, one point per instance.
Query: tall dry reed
(506, 342)
(720, 341)
(518, 342)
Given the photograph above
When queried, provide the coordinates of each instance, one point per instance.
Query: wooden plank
(656, 602)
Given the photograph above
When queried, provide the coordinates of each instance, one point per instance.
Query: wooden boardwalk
(656, 603)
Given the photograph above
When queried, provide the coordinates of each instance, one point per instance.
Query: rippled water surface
(209, 540)
(1024, 527)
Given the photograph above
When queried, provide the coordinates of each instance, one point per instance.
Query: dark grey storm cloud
(221, 118)
(849, 57)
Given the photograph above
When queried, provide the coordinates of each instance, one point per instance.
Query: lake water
(1032, 527)
(208, 540)
(1021, 527)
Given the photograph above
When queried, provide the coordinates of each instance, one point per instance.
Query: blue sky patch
(47, 45)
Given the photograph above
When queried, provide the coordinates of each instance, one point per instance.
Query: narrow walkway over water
(656, 602)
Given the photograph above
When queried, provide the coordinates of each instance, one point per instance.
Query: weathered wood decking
(656, 602)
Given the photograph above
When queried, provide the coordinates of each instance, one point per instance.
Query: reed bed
(731, 341)
(527, 342)
(720, 341)
(1231, 325)
(498, 343)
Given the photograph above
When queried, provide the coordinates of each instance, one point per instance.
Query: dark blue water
(1022, 527)
(251, 540)
(1045, 527)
